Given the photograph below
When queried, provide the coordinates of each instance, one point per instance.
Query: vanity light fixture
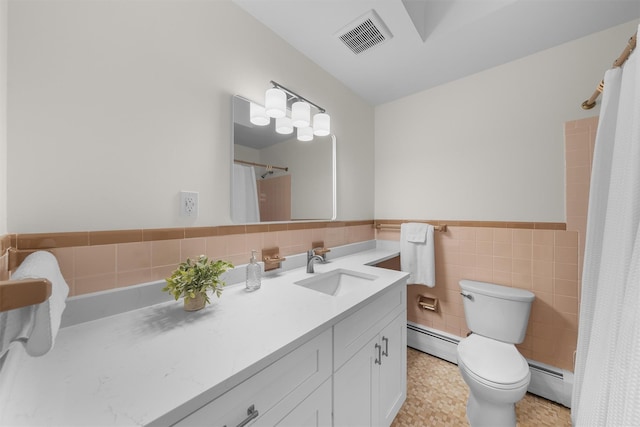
(276, 101)
(257, 115)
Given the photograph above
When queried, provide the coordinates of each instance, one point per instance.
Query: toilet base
(485, 413)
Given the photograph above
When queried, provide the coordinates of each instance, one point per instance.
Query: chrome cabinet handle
(252, 413)
(386, 346)
(379, 358)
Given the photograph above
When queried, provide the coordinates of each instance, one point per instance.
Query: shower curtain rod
(631, 44)
(268, 167)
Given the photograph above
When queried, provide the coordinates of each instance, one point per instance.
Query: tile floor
(437, 396)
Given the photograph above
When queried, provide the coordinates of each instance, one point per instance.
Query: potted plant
(193, 278)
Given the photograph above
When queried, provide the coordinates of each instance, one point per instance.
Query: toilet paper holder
(428, 303)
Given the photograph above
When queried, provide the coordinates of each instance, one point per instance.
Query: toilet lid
(492, 361)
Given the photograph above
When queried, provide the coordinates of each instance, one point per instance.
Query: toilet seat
(493, 363)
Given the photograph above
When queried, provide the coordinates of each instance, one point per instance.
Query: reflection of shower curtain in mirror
(244, 201)
(275, 198)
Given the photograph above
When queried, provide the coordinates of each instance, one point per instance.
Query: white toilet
(496, 373)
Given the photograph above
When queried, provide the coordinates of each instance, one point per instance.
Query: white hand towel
(417, 253)
(36, 326)
(415, 232)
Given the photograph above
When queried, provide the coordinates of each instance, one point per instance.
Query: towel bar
(22, 293)
(442, 228)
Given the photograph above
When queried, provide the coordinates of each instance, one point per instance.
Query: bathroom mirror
(275, 177)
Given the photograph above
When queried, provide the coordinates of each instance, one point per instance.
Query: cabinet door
(393, 369)
(314, 411)
(354, 385)
(353, 332)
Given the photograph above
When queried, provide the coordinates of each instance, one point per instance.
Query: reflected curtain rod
(286, 169)
(631, 44)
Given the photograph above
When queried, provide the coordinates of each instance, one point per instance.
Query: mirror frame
(334, 175)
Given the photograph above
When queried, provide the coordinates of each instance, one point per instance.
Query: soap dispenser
(253, 273)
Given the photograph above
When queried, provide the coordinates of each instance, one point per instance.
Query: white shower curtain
(606, 389)
(244, 197)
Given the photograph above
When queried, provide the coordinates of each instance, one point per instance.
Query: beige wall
(490, 147)
(120, 105)
(3, 116)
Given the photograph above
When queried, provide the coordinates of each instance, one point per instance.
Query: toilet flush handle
(466, 295)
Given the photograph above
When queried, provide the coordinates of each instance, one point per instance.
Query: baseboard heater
(547, 381)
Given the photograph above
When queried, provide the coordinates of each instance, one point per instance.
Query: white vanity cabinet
(366, 354)
(280, 394)
(370, 362)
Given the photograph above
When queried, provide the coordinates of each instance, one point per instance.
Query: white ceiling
(461, 37)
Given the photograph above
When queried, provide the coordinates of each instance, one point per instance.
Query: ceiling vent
(364, 33)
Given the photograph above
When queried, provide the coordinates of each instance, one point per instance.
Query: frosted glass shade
(275, 103)
(321, 124)
(301, 114)
(305, 134)
(257, 115)
(284, 125)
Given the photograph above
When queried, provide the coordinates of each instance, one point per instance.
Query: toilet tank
(496, 311)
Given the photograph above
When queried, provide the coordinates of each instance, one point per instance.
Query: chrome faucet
(311, 258)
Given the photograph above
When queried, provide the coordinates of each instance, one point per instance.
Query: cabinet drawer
(314, 411)
(350, 334)
(294, 377)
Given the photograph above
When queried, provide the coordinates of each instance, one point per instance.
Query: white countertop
(159, 363)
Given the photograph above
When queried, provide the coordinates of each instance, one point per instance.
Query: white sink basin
(337, 282)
